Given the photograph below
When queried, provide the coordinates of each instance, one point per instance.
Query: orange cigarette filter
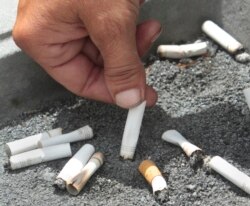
(149, 170)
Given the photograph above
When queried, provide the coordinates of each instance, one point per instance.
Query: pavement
(203, 100)
(24, 86)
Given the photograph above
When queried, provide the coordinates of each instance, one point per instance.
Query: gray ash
(196, 159)
(162, 196)
(6, 165)
(60, 184)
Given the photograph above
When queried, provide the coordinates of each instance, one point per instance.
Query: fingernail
(128, 98)
(156, 36)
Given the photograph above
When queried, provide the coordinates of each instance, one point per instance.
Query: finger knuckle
(113, 24)
(20, 35)
(123, 76)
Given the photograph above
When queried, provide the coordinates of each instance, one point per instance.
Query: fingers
(83, 78)
(147, 32)
(92, 52)
(113, 31)
(151, 96)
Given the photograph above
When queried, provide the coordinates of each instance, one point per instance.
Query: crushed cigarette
(230, 172)
(74, 166)
(183, 51)
(154, 177)
(174, 137)
(29, 143)
(39, 155)
(132, 131)
(216, 163)
(82, 178)
(83, 133)
(225, 40)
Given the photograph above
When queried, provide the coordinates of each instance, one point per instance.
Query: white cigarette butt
(39, 155)
(76, 164)
(29, 143)
(132, 131)
(82, 178)
(153, 175)
(231, 173)
(83, 133)
(174, 137)
(221, 37)
(183, 51)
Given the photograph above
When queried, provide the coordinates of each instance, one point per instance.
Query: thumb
(114, 34)
(124, 73)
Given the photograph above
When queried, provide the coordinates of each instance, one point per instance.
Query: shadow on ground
(24, 86)
(5, 35)
(220, 130)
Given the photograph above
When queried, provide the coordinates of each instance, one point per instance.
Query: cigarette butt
(132, 131)
(74, 165)
(29, 143)
(174, 137)
(183, 51)
(83, 133)
(153, 175)
(82, 178)
(39, 155)
(231, 173)
(221, 37)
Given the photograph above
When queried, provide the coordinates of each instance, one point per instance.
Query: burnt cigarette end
(162, 196)
(196, 160)
(60, 184)
(6, 165)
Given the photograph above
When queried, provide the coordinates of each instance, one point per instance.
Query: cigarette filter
(221, 37)
(231, 173)
(74, 166)
(132, 131)
(29, 143)
(174, 137)
(153, 175)
(39, 155)
(82, 178)
(83, 133)
(182, 51)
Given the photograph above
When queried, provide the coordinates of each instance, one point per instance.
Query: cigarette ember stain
(196, 159)
(59, 184)
(6, 165)
(162, 196)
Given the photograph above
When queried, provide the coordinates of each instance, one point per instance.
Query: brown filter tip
(149, 170)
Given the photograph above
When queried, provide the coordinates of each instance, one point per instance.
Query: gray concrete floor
(204, 102)
(24, 86)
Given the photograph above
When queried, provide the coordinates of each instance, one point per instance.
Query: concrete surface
(24, 86)
(182, 19)
(204, 102)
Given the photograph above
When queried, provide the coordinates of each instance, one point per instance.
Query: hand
(92, 48)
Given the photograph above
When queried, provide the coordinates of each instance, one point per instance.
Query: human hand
(92, 48)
